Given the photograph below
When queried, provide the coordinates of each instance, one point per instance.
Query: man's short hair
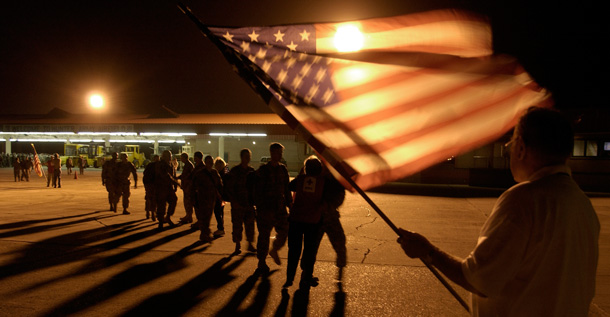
(244, 151)
(185, 155)
(546, 131)
(199, 155)
(275, 146)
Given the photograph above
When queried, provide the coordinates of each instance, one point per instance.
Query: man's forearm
(451, 267)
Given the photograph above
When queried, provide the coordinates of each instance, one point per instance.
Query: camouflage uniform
(272, 196)
(149, 187)
(123, 169)
(108, 179)
(206, 187)
(17, 169)
(164, 189)
(239, 191)
(186, 182)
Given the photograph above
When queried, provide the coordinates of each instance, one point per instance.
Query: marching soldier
(123, 169)
(205, 190)
(239, 191)
(272, 197)
(185, 181)
(149, 187)
(108, 179)
(164, 189)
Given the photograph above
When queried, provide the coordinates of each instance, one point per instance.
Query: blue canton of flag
(282, 55)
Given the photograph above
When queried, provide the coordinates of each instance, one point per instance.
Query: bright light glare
(348, 39)
(96, 101)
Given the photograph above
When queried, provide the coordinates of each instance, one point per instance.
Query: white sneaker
(219, 233)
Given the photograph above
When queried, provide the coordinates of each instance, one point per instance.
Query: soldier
(50, 171)
(199, 165)
(81, 164)
(205, 190)
(185, 181)
(149, 187)
(272, 197)
(219, 207)
(25, 169)
(56, 171)
(108, 179)
(17, 169)
(123, 169)
(239, 192)
(164, 189)
(69, 165)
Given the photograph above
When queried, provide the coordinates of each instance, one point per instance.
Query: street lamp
(96, 101)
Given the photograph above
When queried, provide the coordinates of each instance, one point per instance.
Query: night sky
(144, 54)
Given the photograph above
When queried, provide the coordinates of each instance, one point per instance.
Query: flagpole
(393, 227)
(264, 93)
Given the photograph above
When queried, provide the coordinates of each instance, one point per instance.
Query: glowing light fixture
(96, 101)
(348, 38)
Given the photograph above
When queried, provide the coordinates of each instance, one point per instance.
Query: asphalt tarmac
(62, 252)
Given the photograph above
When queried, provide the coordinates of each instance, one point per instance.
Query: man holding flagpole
(537, 253)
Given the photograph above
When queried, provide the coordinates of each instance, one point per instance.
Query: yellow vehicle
(90, 153)
(134, 155)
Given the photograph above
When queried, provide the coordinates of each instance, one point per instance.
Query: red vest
(308, 202)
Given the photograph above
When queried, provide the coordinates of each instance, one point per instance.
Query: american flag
(382, 99)
(37, 164)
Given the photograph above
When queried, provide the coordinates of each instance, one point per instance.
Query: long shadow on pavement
(134, 276)
(260, 299)
(38, 229)
(184, 298)
(108, 261)
(70, 247)
(26, 223)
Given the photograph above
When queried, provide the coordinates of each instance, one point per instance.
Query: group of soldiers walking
(262, 197)
(115, 176)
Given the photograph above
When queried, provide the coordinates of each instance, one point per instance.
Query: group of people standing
(259, 197)
(22, 168)
(80, 163)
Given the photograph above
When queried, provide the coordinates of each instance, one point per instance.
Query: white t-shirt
(537, 253)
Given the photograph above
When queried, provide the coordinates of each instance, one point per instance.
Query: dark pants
(57, 178)
(219, 213)
(266, 220)
(302, 236)
(166, 198)
(110, 188)
(122, 189)
(204, 208)
(242, 218)
(150, 197)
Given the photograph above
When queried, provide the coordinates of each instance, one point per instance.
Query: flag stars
(279, 36)
(292, 46)
(304, 35)
(281, 77)
(297, 82)
(253, 36)
(290, 62)
(228, 36)
(320, 75)
(305, 69)
(261, 53)
(328, 95)
(245, 46)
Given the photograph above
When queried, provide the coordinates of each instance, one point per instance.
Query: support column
(221, 146)
(8, 146)
(156, 147)
(106, 142)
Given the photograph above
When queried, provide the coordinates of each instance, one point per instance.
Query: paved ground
(62, 253)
